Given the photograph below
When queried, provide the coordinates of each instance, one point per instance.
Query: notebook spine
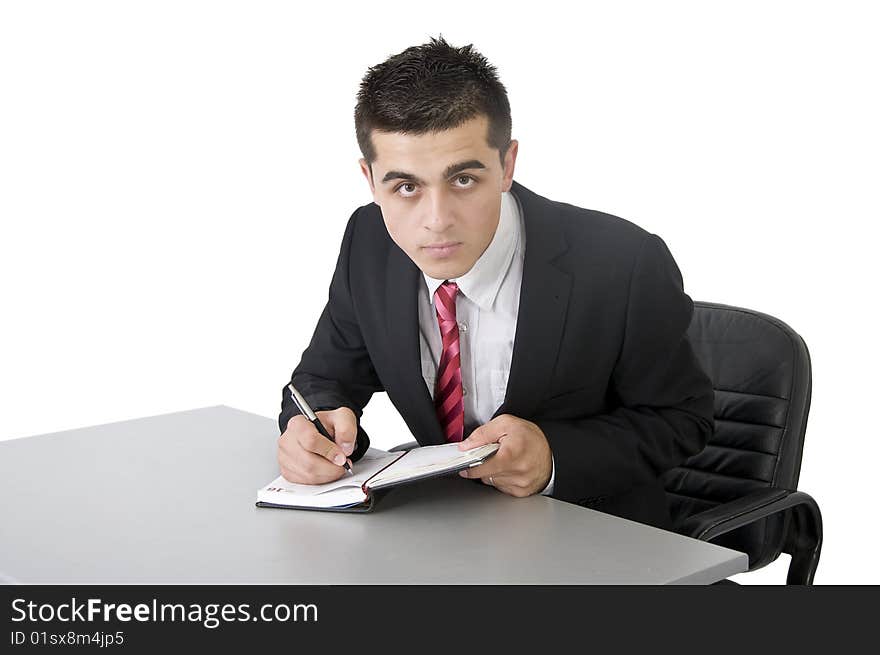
(365, 487)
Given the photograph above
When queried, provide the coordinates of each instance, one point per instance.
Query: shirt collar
(482, 282)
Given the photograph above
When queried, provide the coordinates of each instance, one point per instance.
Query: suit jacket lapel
(543, 304)
(402, 279)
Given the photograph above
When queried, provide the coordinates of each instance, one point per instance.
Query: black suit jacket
(601, 361)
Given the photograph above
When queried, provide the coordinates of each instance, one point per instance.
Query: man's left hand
(521, 466)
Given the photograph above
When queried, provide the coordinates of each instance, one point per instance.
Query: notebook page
(428, 459)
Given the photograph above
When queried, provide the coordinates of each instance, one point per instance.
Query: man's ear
(509, 165)
(368, 173)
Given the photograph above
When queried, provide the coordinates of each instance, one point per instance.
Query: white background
(175, 178)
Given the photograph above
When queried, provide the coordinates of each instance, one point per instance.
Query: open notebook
(377, 469)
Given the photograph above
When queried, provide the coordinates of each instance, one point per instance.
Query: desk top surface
(170, 499)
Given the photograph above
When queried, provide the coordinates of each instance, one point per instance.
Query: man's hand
(308, 457)
(522, 465)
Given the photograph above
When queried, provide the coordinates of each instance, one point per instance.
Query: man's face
(440, 193)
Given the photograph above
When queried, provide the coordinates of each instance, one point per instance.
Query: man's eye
(466, 178)
(408, 189)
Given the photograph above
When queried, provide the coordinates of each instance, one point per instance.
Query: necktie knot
(445, 300)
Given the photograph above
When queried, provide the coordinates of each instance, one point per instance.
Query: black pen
(309, 414)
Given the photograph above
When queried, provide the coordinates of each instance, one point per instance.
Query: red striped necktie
(448, 396)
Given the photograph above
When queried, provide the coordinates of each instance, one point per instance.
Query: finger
(314, 442)
(498, 481)
(289, 452)
(287, 443)
(309, 468)
(487, 433)
(474, 438)
(341, 423)
(507, 485)
(319, 470)
(483, 470)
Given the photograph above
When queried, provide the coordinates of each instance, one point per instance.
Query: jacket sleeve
(664, 410)
(335, 369)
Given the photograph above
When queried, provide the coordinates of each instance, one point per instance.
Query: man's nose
(439, 209)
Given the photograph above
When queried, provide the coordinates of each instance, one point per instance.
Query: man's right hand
(308, 457)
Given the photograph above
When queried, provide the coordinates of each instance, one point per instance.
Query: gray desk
(170, 499)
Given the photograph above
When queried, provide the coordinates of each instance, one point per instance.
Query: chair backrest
(760, 370)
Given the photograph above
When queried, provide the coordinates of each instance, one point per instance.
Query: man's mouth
(442, 250)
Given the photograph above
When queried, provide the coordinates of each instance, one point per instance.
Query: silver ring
(491, 481)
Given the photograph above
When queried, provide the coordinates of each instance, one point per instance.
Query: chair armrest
(803, 538)
(725, 517)
(409, 445)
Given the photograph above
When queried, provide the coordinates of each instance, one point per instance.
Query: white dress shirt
(486, 308)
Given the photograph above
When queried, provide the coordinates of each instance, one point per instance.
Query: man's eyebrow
(450, 171)
(462, 166)
(400, 175)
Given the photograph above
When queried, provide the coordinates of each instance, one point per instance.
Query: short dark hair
(430, 88)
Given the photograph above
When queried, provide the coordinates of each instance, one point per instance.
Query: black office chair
(740, 491)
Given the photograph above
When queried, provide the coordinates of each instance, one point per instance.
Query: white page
(443, 454)
(431, 458)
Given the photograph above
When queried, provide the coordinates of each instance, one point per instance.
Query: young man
(489, 313)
